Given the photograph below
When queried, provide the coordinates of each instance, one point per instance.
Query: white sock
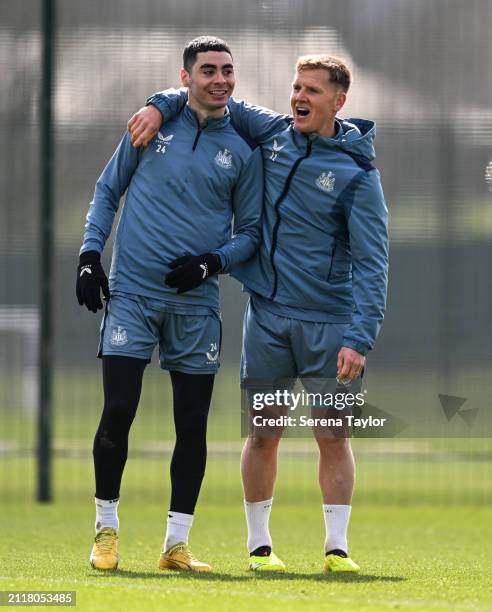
(178, 528)
(106, 514)
(336, 523)
(257, 517)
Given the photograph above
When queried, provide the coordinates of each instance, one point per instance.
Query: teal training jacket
(184, 191)
(324, 249)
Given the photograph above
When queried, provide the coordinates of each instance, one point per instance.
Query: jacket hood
(357, 136)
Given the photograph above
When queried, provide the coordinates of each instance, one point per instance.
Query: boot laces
(105, 540)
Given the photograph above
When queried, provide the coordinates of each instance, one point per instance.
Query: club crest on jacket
(326, 181)
(224, 159)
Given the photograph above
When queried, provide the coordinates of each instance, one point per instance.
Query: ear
(340, 100)
(184, 75)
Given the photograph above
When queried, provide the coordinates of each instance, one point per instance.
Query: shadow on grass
(249, 576)
(168, 574)
(330, 577)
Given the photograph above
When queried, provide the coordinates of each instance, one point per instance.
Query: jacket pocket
(340, 266)
(333, 249)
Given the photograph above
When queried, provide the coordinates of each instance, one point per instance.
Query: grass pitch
(421, 525)
(421, 530)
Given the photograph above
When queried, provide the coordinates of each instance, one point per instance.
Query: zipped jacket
(183, 192)
(324, 246)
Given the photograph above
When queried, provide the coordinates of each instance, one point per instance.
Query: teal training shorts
(187, 343)
(277, 350)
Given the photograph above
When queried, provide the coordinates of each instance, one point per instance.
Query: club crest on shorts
(119, 336)
(326, 181)
(224, 159)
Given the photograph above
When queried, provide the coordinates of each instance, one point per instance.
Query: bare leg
(336, 480)
(336, 470)
(258, 472)
(259, 468)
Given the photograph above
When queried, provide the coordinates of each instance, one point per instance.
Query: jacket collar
(211, 123)
(320, 141)
(355, 136)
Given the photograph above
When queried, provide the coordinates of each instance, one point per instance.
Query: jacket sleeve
(259, 124)
(169, 101)
(368, 234)
(247, 205)
(110, 186)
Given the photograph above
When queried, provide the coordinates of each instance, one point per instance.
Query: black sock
(261, 551)
(338, 552)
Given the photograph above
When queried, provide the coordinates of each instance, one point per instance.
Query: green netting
(422, 71)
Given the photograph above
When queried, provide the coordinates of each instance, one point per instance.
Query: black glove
(90, 280)
(190, 271)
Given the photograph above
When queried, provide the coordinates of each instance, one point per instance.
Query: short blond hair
(338, 71)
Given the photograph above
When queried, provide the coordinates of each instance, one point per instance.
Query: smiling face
(210, 83)
(315, 101)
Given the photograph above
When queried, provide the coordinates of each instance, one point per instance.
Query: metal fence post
(46, 223)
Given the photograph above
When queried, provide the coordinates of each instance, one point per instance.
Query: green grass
(421, 524)
(421, 529)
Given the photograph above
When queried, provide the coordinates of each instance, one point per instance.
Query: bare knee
(265, 445)
(333, 446)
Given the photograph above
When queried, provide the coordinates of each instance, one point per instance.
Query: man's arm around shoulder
(257, 122)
